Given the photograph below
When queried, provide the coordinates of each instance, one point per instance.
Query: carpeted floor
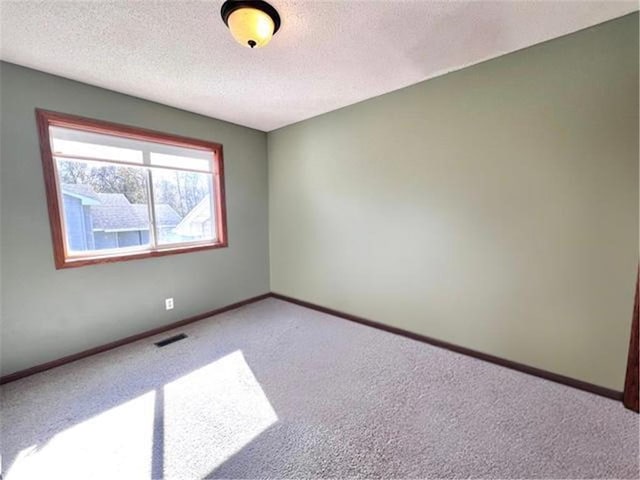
(273, 390)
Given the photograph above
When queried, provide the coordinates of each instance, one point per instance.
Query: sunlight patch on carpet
(211, 414)
(183, 429)
(116, 440)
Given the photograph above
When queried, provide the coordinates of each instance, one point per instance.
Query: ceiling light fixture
(251, 22)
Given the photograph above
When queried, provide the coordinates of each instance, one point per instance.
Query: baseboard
(118, 343)
(554, 377)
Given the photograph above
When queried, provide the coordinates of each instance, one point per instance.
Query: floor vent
(169, 340)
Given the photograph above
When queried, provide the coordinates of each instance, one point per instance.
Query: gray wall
(49, 313)
(495, 207)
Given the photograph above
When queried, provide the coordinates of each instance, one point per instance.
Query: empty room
(319, 239)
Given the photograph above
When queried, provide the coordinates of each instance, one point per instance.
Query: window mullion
(153, 233)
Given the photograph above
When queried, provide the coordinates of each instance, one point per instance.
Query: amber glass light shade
(251, 27)
(252, 22)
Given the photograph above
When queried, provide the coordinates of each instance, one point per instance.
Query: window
(118, 193)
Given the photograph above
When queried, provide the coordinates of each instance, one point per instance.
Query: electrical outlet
(168, 303)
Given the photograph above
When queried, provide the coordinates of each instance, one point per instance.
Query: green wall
(49, 313)
(495, 207)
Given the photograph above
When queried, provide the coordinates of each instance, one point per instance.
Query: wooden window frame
(47, 118)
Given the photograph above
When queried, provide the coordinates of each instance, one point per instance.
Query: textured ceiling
(327, 54)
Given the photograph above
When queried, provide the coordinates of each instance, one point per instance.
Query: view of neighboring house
(197, 223)
(108, 220)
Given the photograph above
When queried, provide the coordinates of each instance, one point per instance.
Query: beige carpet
(273, 390)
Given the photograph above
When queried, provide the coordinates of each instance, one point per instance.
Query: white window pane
(183, 206)
(77, 143)
(105, 206)
(196, 161)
